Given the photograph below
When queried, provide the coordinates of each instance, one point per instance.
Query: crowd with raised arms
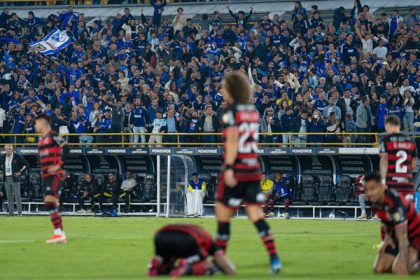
(158, 74)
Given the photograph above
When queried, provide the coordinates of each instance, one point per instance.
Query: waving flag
(52, 43)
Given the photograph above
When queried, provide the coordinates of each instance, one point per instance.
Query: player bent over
(50, 153)
(399, 253)
(183, 249)
(241, 171)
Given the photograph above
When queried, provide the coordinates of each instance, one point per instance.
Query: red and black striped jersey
(247, 119)
(201, 236)
(397, 211)
(51, 153)
(401, 150)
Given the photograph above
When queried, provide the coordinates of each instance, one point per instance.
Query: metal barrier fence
(343, 139)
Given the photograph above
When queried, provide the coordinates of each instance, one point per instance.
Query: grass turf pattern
(120, 248)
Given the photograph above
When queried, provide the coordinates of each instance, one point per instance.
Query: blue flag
(52, 43)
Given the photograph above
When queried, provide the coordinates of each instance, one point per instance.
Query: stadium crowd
(132, 73)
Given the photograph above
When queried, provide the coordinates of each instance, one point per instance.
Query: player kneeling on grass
(183, 249)
(401, 247)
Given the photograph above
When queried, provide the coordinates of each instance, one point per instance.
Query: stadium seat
(149, 188)
(100, 178)
(212, 187)
(292, 184)
(308, 188)
(343, 189)
(325, 189)
(35, 183)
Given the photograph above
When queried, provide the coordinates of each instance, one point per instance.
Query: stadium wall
(333, 162)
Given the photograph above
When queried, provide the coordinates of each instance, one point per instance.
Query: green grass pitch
(120, 248)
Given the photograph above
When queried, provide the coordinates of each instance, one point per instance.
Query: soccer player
(400, 250)
(241, 171)
(182, 249)
(50, 153)
(398, 158)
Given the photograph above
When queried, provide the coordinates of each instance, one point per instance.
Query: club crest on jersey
(228, 118)
(396, 216)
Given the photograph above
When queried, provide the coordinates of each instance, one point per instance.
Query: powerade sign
(105, 164)
(208, 165)
(138, 164)
(353, 166)
(277, 151)
(209, 151)
(77, 165)
(281, 164)
(316, 166)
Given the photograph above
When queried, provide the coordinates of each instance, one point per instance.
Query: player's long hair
(238, 87)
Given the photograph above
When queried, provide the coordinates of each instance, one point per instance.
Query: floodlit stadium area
(120, 248)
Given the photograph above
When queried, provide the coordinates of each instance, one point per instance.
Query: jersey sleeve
(397, 211)
(228, 119)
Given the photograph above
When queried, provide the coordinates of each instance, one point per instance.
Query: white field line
(16, 241)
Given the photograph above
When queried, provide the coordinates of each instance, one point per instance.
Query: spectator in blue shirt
(316, 125)
(18, 124)
(241, 19)
(394, 107)
(158, 7)
(382, 113)
(349, 50)
(138, 121)
(286, 122)
(321, 103)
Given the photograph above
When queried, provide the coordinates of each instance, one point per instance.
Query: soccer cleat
(57, 239)
(180, 269)
(154, 267)
(275, 265)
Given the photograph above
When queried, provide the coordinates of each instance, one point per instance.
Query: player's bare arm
(400, 265)
(232, 135)
(387, 241)
(384, 166)
(54, 168)
(224, 264)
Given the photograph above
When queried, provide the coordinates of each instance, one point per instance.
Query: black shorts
(390, 250)
(394, 251)
(172, 245)
(244, 192)
(51, 185)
